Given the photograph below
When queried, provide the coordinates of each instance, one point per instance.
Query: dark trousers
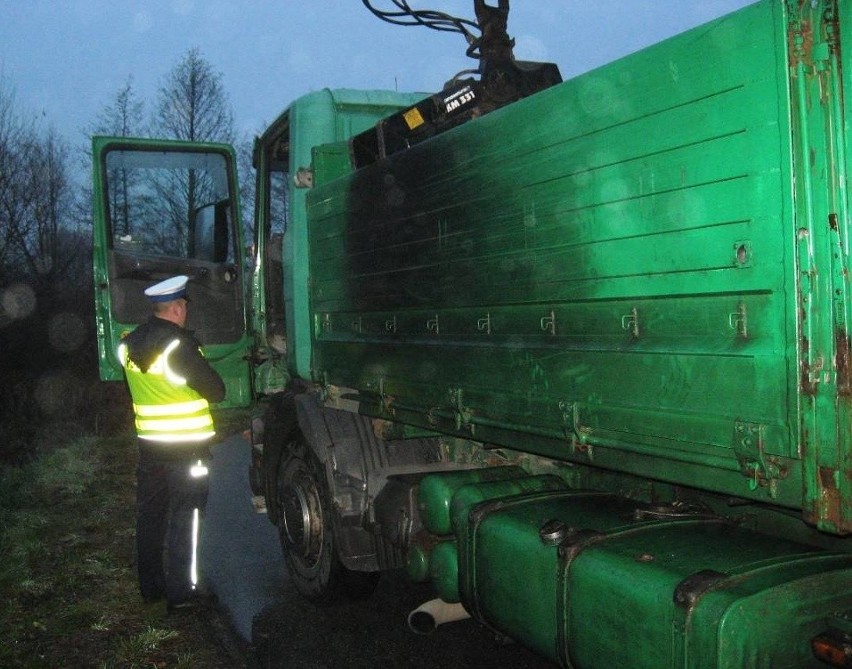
(167, 497)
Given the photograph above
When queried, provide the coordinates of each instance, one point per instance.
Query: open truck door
(163, 208)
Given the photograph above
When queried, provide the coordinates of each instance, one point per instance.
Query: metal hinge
(749, 449)
(463, 414)
(575, 431)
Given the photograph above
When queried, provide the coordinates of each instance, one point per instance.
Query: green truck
(578, 355)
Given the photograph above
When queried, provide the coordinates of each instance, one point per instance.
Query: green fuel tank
(598, 581)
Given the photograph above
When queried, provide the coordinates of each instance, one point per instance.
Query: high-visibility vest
(166, 409)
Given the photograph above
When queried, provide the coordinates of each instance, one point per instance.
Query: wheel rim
(301, 518)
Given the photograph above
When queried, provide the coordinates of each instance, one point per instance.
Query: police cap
(168, 290)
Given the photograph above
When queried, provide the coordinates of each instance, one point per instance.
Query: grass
(67, 570)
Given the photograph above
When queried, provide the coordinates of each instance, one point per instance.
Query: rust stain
(383, 429)
(842, 363)
(800, 43)
(826, 477)
(805, 381)
(832, 222)
(830, 502)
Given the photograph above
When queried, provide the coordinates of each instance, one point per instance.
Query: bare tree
(36, 200)
(192, 103)
(45, 268)
(38, 208)
(245, 169)
(13, 134)
(122, 117)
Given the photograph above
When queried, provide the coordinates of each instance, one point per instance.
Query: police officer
(172, 386)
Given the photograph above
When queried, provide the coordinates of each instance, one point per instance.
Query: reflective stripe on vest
(167, 410)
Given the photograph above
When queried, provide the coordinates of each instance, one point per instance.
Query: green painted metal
(444, 501)
(823, 300)
(703, 593)
(121, 271)
(472, 494)
(417, 563)
(641, 269)
(508, 573)
(325, 117)
(444, 571)
(269, 371)
(436, 491)
(598, 581)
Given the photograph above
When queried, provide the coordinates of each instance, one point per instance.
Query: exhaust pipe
(426, 617)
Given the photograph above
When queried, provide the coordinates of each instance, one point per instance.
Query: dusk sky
(65, 60)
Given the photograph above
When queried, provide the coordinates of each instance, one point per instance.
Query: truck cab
(305, 146)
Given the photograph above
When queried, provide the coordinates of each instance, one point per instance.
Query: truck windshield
(157, 201)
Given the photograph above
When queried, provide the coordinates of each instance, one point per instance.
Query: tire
(279, 421)
(306, 534)
(255, 472)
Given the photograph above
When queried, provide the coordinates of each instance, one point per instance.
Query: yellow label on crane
(413, 118)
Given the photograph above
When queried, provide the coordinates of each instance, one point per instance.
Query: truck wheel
(305, 531)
